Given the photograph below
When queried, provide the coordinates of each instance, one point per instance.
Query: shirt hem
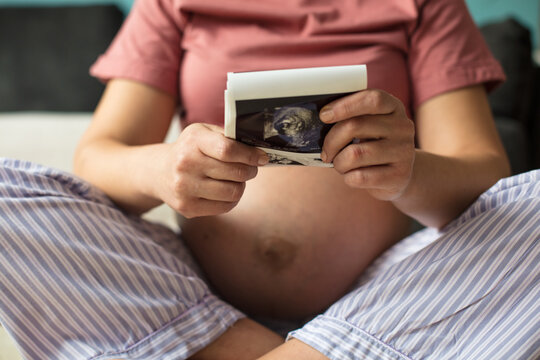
(490, 75)
(162, 78)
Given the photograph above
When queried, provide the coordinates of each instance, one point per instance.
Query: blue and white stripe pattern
(81, 280)
(473, 293)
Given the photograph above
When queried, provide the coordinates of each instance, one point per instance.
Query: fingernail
(327, 114)
(263, 160)
(323, 156)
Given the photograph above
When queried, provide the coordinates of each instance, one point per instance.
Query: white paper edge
(296, 82)
(229, 128)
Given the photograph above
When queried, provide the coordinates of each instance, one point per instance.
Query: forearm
(124, 173)
(442, 187)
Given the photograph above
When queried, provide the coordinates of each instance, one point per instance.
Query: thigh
(81, 279)
(471, 294)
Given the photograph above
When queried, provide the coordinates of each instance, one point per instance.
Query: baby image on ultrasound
(294, 127)
(288, 127)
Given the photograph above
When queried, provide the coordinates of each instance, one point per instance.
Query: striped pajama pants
(79, 279)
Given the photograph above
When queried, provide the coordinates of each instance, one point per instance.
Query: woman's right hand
(122, 153)
(206, 172)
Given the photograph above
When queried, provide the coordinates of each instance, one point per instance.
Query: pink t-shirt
(414, 49)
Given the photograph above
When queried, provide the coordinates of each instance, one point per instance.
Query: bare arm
(202, 173)
(115, 152)
(459, 156)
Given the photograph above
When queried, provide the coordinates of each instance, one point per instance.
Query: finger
(358, 129)
(217, 190)
(366, 102)
(219, 170)
(219, 147)
(365, 154)
(380, 177)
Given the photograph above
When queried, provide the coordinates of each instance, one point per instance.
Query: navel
(276, 252)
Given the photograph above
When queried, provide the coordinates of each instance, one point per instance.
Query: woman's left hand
(371, 143)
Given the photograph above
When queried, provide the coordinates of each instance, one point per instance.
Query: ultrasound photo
(287, 124)
(278, 110)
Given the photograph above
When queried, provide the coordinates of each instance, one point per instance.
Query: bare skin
(245, 340)
(294, 349)
(332, 222)
(304, 240)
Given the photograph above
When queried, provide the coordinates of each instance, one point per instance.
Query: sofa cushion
(510, 43)
(45, 53)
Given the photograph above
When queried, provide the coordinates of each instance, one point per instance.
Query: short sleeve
(448, 52)
(147, 48)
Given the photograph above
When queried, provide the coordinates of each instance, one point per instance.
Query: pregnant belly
(295, 243)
